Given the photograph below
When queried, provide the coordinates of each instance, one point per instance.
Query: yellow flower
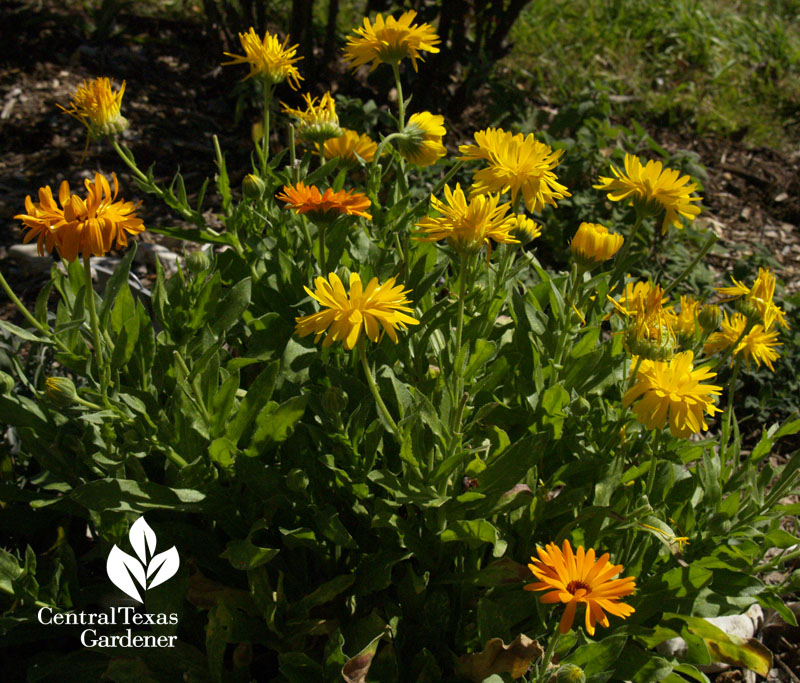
(348, 145)
(593, 244)
(421, 139)
(269, 59)
(575, 578)
(673, 389)
(324, 206)
(759, 297)
(527, 227)
(468, 225)
(515, 164)
(757, 344)
(685, 322)
(97, 106)
(318, 122)
(378, 306)
(87, 226)
(650, 330)
(653, 189)
(390, 41)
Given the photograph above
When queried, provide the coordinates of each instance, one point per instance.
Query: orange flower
(87, 226)
(578, 578)
(324, 206)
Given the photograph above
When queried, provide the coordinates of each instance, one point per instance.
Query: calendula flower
(759, 298)
(593, 244)
(317, 122)
(268, 58)
(685, 323)
(515, 164)
(390, 41)
(653, 189)
(421, 139)
(575, 578)
(41, 216)
(673, 390)
(757, 344)
(468, 225)
(324, 206)
(526, 228)
(379, 306)
(87, 226)
(348, 145)
(97, 106)
(651, 320)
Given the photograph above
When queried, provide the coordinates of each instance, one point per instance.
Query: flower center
(575, 586)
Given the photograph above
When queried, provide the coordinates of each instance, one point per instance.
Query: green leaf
(126, 495)
(474, 532)
(484, 350)
(232, 306)
(276, 426)
(115, 283)
(242, 554)
(21, 333)
(222, 403)
(598, 656)
(258, 394)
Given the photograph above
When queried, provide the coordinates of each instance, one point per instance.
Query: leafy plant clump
(373, 436)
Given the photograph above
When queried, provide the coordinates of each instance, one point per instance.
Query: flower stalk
(102, 368)
(373, 387)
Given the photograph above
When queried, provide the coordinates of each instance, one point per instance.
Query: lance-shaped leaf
(164, 565)
(120, 566)
(143, 539)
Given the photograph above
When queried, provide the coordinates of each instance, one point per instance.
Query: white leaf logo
(123, 568)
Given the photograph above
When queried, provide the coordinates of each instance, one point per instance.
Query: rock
(27, 257)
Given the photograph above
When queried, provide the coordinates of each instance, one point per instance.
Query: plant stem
(102, 369)
(29, 316)
(387, 416)
(541, 676)
(703, 251)
(651, 473)
(726, 428)
(618, 274)
(265, 131)
(401, 105)
(321, 235)
(575, 280)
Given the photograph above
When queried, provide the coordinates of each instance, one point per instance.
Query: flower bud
(253, 187)
(749, 310)
(526, 228)
(6, 383)
(650, 349)
(198, 261)
(60, 391)
(710, 317)
(421, 140)
(593, 244)
(569, 673)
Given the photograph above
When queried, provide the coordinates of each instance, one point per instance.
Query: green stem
(265, 131)
(401, 105)
(462, 286)
(29, 316)
(541, 676)
(618, 274)
(293, 152)
(726, 429)
(321, 235)
(651, 473)
(387, 416)
(576, 279)
(436, 189)
(703, 251)
(102, 369)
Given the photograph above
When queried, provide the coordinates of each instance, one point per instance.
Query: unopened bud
(569, 673)
(710, 317)
(60, 391)
(749, 311)
(197, 261)
(650, 349)
(6, 383)
(253, 187)
(581, 406)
